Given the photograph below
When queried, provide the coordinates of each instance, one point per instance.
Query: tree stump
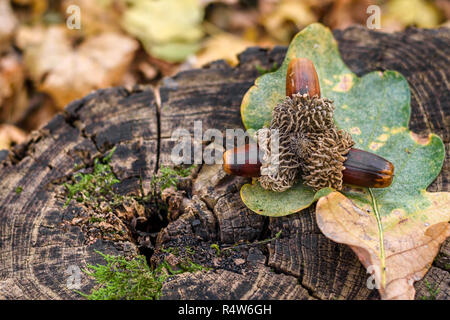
(41, 245)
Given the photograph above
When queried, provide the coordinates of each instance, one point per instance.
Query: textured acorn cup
(362, 168)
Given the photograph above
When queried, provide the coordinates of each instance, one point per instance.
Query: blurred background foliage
(44, 65)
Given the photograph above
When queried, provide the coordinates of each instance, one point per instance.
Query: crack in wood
(140, 121)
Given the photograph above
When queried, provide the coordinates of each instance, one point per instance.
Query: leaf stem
(381, 239)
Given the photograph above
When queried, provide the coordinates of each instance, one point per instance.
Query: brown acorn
(360, 168)
(302, 78)
(251, 166)
(367, 169)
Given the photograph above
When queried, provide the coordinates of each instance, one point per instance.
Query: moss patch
(96, 187)
(125, 279)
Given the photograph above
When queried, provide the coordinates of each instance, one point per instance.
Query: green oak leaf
(277, 204)
(375, 109)
(395, 231)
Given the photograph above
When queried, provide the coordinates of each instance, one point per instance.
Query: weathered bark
(38, 243)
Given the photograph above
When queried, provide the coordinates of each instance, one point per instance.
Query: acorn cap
(308, 140)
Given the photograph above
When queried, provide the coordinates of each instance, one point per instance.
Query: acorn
(310, 145)
(252, 164)
(366, 169)
(302, 78)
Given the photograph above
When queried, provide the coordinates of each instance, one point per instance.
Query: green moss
(122, 279)
(173, 250)
(96, 187)
(433, 291)
(262, 70)
(125, 279)
(190, 250)
(216, 247)
(19, 190)
(186, 265)
(168, 177)
(94, 219)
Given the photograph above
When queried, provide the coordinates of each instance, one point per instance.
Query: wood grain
(38, 244)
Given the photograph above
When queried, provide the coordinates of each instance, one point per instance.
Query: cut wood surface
(40, 245)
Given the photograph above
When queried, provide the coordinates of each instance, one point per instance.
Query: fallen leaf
(222, 46)
(67, 73)
(338, 83)
(345, 13)
(97, 16)
(38, 7)
(228, 2)
(13, 96)
(403, 13)
(234, 19)
(168, 29)
(277, 22)
(278, 204)
(9, 135)
(166, 68)
(8, 24)
(412, 221)
(410, 240)
(148, 70)
(443, 6)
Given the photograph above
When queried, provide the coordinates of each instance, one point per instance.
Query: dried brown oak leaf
(8, 23)
(66, 72)
(9, 135)
(13, 96)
